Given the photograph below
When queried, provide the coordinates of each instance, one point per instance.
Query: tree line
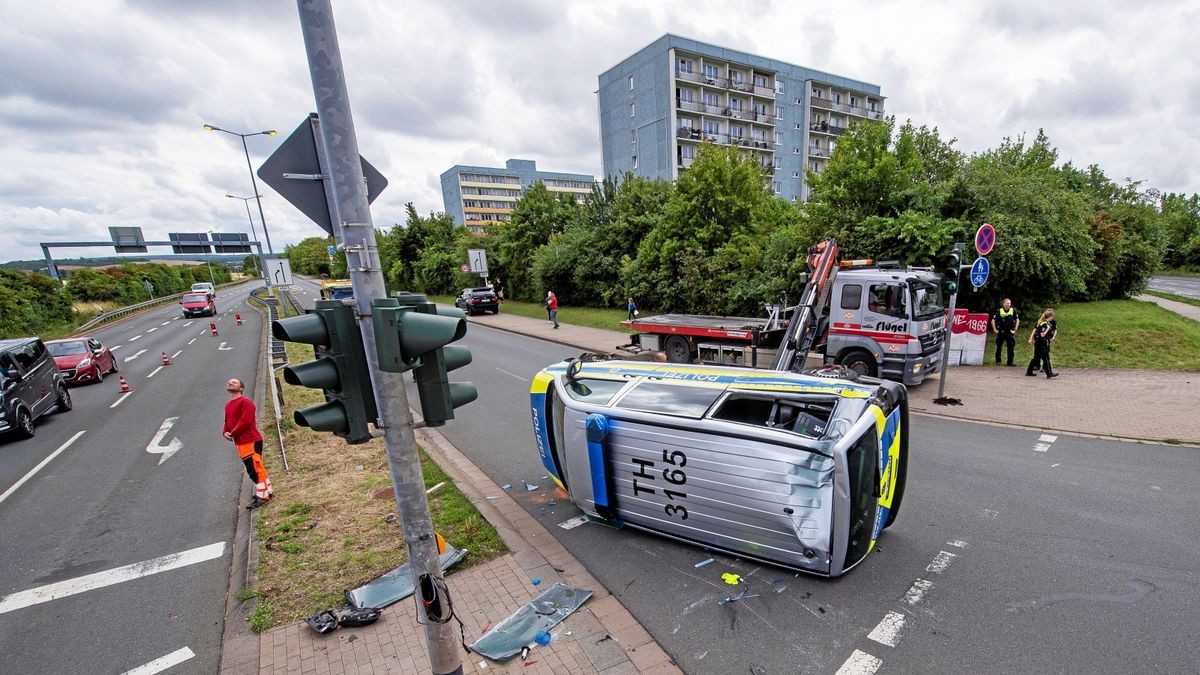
(718, 242)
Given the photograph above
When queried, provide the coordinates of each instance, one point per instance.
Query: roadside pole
(941, 397)
(356, 233)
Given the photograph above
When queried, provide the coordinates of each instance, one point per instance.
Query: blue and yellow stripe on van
(888, 431)
(537, 399)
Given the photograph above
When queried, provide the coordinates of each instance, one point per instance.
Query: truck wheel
(860, 362)
(678, 349)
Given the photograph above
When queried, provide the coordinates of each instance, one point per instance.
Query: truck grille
(930, 342)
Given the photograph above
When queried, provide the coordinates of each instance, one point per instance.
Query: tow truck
(878, 320)
(337, 289)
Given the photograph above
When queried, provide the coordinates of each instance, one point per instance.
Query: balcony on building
(700, 136)
(814, 151)
(826, 128)
(742, 114)
(764, 87)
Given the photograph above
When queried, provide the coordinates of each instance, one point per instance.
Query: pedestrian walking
(241, 428)
(1006, 321)
(631, 307)
(552, 308)
(1040, 337)
(499, 290)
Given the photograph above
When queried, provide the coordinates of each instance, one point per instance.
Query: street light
(246, 201)
(253, 180)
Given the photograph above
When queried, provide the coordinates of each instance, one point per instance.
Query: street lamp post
(253, 180)
(246, 201)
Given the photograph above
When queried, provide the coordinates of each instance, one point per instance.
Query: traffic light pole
(949, 332)
(356, 233)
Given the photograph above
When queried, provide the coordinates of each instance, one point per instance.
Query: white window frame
(635, 161)
(683, 65)
(632, 110)
(778, 138)
(633, 135)
(630, 83)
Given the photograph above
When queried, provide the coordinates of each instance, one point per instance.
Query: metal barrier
(122, 312)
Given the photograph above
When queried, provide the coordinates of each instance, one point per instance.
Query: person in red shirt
(241, 427)
(552, 307)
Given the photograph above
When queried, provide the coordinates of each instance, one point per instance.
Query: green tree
(537, 215)
(310, 256)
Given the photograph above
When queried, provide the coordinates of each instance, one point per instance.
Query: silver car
(798, 470)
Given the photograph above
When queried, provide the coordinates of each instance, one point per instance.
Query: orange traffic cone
(213, 328)
(125, 389)
(239, 318)
(166, 359)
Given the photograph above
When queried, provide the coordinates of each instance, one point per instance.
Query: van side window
(27, 356)
(593, 390)
(851, 296)
(804, 417)
(671, 399)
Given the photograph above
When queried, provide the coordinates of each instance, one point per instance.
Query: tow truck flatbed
(696, 325)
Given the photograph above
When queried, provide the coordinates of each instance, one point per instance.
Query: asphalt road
(106, 502)
(1016, 554)
(1187, 286)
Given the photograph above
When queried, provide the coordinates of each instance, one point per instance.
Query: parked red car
(82, 359)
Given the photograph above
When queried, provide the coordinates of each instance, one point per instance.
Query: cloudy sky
(102, 102)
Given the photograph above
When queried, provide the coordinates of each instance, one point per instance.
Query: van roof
(720, 376)
(15, 342)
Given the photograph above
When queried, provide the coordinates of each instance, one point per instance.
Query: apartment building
(479, 196)
(659, 105)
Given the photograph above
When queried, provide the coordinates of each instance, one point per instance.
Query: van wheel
(859, 362)
(64, 399)
(678, 349)
(24, 424)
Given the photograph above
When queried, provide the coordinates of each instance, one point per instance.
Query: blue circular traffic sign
(985, 239)
(980, 269)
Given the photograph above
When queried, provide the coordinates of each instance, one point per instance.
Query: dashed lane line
(191, 341)
(40, 466)
(154, 372)
(523, 379)
(152, 329)
(860, 663)
(940, 562)
(162, 663)
(121, 400)
(887, 631)
(113, 349)
(177, 353)
(917, 591)
(166, 323)
(136, 337)
(90, 582)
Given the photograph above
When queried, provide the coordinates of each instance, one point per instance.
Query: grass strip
(607, 318)
(1177, 298)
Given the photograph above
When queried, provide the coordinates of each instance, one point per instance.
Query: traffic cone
(166, 359)
(125, 389)
(239, 318)
(213, 328)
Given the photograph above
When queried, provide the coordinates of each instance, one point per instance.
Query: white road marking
(887, 631)
(940, 562)
(917, 591)
(156, 447)
(153, 372)
(1047, 438)
(177, 353)
(1041, 447)
(136, 337)
(573, 523)
(123, 397)
(222, 348)
(40, 466)
(162, 663)
(139, 353)
(117, 575)
(859, 663)
(113, 349)
(191, 341)
(188, 324)
(1054, 465)
(165, 323)
(958, 543)
(152, 329)
(523, 379)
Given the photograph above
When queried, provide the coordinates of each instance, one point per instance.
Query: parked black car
(30, 385)
(473, 300)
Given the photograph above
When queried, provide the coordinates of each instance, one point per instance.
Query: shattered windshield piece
(520, 629)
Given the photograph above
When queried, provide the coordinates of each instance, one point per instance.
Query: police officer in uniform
(1005, 323)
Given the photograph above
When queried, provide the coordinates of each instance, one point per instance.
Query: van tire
(24, 427)
(64, 402)
(678, 349)
(860, 362)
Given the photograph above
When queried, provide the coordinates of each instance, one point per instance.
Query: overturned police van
(800, 470)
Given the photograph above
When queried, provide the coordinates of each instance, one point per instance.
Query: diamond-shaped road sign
(297, 156)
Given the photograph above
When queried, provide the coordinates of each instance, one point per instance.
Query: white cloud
(101, 103)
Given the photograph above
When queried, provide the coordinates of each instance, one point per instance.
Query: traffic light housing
(414, 334)
(951, 267)
(340, 370)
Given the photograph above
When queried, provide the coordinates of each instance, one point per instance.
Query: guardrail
(122, 312)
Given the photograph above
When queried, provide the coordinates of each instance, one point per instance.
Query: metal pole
(257, 197)
(950, 328)
(262, 265)
(50, 266)
(357, 234)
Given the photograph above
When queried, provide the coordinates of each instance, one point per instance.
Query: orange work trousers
(251, 454)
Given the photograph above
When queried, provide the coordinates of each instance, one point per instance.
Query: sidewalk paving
(1182, 308)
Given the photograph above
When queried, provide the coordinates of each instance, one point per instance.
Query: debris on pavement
(731, 578)
(363, 616)
(391, 587)
(323, 622)
(520, 629)
(702, 563)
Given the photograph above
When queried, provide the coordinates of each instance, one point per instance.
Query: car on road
(30, 385)
(82, 359)
(198, 304)
(473, 300)
(204, 286)
(799, 470)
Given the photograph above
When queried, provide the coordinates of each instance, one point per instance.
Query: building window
(711, 72)
(778, 138)
(837, 98)
(795, 151)
(777, 162)
(711, 129)
(760, 81)
(735, 103)
(711, 99)
(816, 167)
(795, 174)
(684, 123)
(684, 95)
(854, 101)
(685, 66)
(633, 136)
(799, 127)
(735, 76)
(775, 187)
(635, 161)
(630, 83)
(799, 102)
(687, 151)
(632, 110)
(778, 112)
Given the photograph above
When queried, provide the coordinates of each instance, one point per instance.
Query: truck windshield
(927, 299)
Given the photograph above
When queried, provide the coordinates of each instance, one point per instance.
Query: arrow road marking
(222, 348)
(130, 358)
(39, 467)
(156, 447)
(90, 582)
(163, 662)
